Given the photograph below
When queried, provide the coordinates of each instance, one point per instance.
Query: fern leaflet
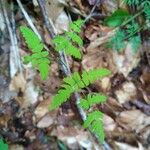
(70, 41)
(75, 83)
(39, 57)
(91, 100)
(95, 124)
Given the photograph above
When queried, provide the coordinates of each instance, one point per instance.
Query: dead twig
(15, 63)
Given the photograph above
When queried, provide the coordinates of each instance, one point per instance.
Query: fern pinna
(39, 57)
(70, 41)
(94, 119)
(75, 83)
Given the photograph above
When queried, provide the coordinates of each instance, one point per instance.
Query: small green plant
(75, 83)
(70, 43)
(127, 26)
(3, 146)
(39, 56)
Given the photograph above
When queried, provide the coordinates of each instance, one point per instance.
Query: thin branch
(15, 64)
(93, 9)
(28, 19)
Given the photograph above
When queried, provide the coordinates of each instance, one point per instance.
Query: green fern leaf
(61, 97)
(62, 44)
(84, 104)
(39, 57)
(76, 82)
(91, 100)
(32, 40)
(70, 41)
(98, 129)
(75, 38)
(96, 99)
(95, 124)
(44, 70)
(93, 75)
(73, 51)
(27, 59)
(76, 26)
(91, 118)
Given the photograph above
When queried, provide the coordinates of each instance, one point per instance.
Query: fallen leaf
(42, 108)
(109, 123)
(133, 120)
(126, 62)
(47, 120)
(128, 92)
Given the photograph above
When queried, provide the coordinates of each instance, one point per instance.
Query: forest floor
(25, 121)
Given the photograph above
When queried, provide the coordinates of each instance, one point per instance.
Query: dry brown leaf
(53, 8)
(133, 120)
(48, 119)
(105, 83)
(124, 146)
(75, 138)
(16, 147)
(126, 62)
(98, 58)
(79, 3)
(128, 92)
(109, 123)
(62, 23)
(101, 40)
(42, 108)
(109, 6)
(18, 83)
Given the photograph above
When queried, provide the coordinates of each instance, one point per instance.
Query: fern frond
(98, 128)
(31, 39)
(70, 41)
(84, 104)
(76, 25)
(39, 57)
(91, 100)
(95, 124)
(76, 82)
(75, 38)
(92, 117)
